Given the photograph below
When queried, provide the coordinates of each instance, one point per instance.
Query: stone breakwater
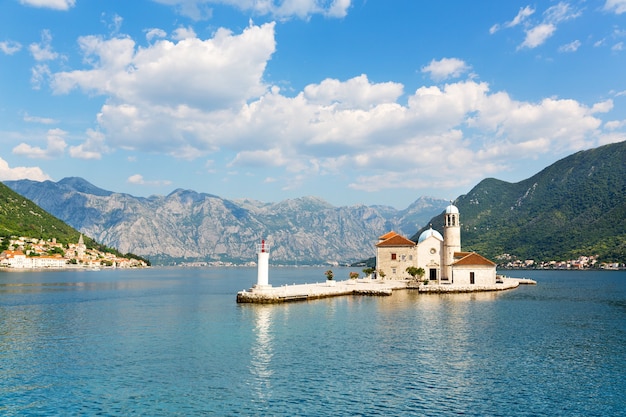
(501, 285)
(304, 292)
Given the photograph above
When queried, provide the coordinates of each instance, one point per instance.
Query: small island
(433, 264)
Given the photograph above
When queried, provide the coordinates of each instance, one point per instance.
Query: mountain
(190, 226)
(576, 206)
(19, 216)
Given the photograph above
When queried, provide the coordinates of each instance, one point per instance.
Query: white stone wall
(430, 255)
(483, 275)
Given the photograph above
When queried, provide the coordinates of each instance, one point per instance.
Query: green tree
(415, 272)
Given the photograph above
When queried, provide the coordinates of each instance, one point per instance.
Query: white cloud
(189, 74)
(155, 33)
(183, 33)
(56, 146)
(570, 47)
(39, 74)
(537, 35)
(446, 68)
(93, 147)
(43, 51)
(138, 179)
(281, 9)
(194, 97)
(41, 120)
(20, 173)
(522, 15)
(615, 6)
(618, 47)
(354, 93)
(50, 4)
(10, 47)
(615, 124)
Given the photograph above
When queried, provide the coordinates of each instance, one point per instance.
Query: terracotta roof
(396, 240)
(474, 259)
(387, 235)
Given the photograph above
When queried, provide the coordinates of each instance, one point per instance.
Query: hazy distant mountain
(190, 226)
(576, 206)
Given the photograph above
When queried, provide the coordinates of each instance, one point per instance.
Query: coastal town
(507, 261)
(32, 253)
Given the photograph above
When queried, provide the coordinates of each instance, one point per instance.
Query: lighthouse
(263, 255)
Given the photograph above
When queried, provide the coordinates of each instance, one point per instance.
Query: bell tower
(451, 240)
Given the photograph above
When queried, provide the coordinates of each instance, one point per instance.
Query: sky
(353, 101)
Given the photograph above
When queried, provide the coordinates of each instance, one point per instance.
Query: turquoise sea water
(173, 342)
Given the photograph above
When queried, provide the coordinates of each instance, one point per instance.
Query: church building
(441, 257)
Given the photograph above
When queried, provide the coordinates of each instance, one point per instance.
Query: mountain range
(187, 226)
(576, 206)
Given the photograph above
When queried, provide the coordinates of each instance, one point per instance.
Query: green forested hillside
(577, 206)
(21, 217)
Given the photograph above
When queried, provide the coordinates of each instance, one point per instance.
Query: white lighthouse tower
(263, 255)
(451, 239)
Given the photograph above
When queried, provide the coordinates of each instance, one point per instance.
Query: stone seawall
(501, 285)
(304, 292)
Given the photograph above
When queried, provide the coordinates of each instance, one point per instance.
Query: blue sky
(354, 101)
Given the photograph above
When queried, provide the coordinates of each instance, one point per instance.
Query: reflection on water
(175, 342)
(262, 352)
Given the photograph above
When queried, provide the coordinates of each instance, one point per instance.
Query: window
(403, 257)
(393, 256)
(393, 271)
(410, 257)
(471, 277)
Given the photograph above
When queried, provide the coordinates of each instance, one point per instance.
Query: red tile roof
(473, 259)
(396, 240)
(387, 235)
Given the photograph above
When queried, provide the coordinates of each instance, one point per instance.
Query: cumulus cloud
(446, 68)
(93, 147)
(50, 4)
(194, 97)
(20, 173)
(56, 146)
(354, 93)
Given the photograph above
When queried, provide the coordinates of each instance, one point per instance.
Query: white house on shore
(441, 257)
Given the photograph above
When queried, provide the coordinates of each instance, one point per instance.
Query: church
(441, 257)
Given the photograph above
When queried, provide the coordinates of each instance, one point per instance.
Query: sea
(174, 342)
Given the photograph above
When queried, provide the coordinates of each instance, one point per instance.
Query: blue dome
(451, 209)
(428, 233)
